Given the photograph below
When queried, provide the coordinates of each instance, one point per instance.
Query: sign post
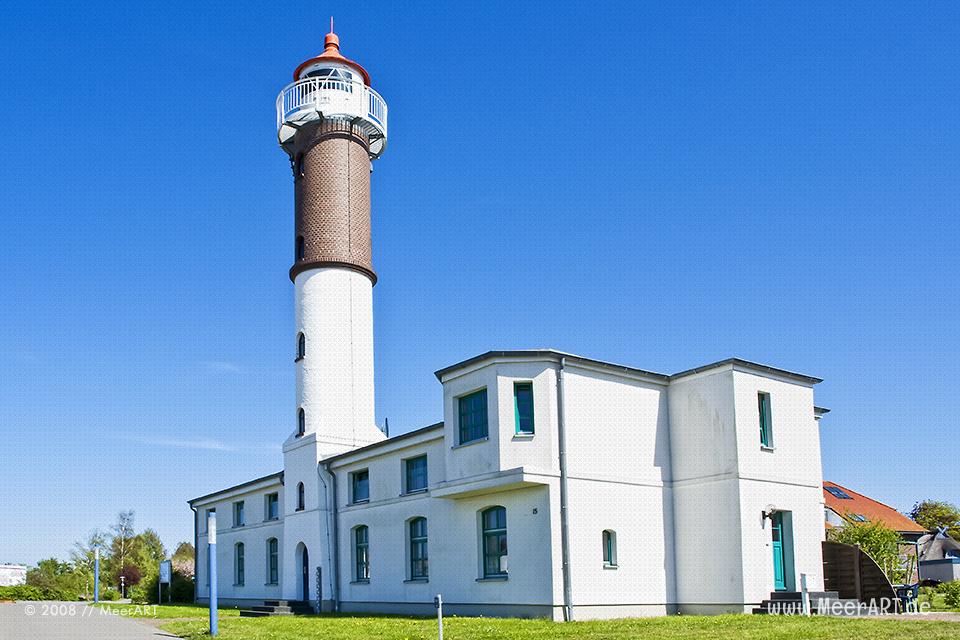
(96, 574)
(165, 577)
(212, 569)
(438, 603)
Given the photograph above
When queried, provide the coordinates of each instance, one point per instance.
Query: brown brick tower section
(331, 166)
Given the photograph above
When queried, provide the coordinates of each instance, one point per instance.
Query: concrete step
(250, 613)
(272, 609)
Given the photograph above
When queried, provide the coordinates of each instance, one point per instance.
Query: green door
(779, 574)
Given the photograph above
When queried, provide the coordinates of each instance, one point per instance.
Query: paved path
(70, 621)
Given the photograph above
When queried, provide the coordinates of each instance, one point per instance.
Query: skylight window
(858, 517)
(838, 492)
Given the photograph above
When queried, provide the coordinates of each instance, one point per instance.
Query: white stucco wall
(333, 307)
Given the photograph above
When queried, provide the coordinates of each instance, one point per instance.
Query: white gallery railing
(332, 97)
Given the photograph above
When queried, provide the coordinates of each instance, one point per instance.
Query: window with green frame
(609, 548)
(273, 561)
(523, 407)
(473, 416)
(238, 577)
(419, 570)
(494, 525)
(766, 423)
(361, 552)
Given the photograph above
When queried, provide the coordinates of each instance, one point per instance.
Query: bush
(951, 593)
(109, 594)
(146, 592)
(29, 592)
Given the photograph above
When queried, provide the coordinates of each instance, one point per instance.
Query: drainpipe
(564, 507)
(196, 541)
(333, 550)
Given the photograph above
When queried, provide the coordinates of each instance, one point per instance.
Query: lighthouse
(332, 126)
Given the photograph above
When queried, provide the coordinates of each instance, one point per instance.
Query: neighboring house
(939, 557)
(842, 505)
(556, 485)
(12, 575)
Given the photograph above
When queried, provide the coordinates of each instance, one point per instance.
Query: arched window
(300, 497)
(238, 564)
(301, 346)
(300, 248)
(609, 548)
(418, 549)
(494, 542)
(273, 561)
(361, 553)
(301, 422)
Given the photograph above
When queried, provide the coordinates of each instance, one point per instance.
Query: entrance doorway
(305, 575)
(782, 544)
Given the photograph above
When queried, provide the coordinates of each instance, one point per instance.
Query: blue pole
(212, 569)
(96, 574)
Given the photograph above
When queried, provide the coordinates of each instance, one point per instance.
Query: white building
(12, 575)
(556, 486)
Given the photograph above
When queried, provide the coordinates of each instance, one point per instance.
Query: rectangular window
(418, 549)
(272, 509)
(840, 493)
(360, 486)
(416, 474)
(273, 561)
(766, 424)
(473, 416)
(238, 520)
(238, 565)
(361, 552)
(494, 523)
(523, 407)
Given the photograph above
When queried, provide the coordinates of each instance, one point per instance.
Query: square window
(360, 486)
(523, 407)
(473, 416)
(416, 474)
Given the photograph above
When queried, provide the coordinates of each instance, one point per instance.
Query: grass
(166, 611)
(729, 627)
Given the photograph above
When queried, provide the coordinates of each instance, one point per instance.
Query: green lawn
(732, 627)
(166, 610)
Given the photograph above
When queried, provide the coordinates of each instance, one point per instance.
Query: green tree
(933, 514)
(120, 544)
(876, 540)
(83, 559)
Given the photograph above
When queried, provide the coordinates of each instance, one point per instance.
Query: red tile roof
(869, 508)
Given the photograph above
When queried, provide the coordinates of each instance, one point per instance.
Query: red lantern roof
(331, 53)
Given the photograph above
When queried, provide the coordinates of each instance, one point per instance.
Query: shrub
(30, 592)
(951, 593)
(180, 591)
(109, 594)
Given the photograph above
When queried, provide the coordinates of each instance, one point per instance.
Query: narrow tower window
(301, 346)
(523, 407)
(300, 248)
(300, 497)
(766, 423)
(301, 423)
(609, 548)
(238, 577)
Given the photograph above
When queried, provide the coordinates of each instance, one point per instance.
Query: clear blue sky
(659, 187)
